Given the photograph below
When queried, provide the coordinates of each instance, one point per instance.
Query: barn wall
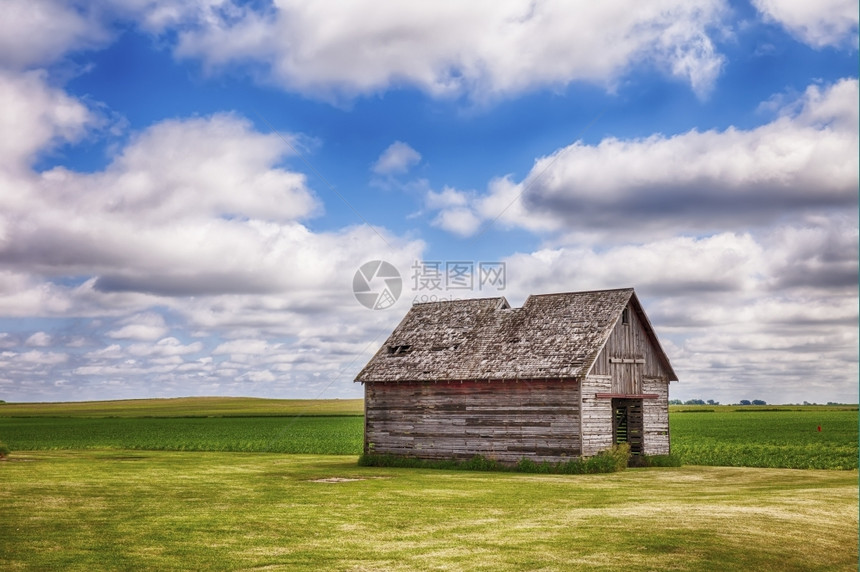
(504, 421)
(596, 415)
(628, 356)
(656, 416)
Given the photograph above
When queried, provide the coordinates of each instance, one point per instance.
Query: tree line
(712, 402)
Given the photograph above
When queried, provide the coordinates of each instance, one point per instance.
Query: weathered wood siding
(628, 356)
(596, 415)
(506, 421)
(656, 416)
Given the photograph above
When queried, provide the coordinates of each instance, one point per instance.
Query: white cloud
(448, 197)
(157, 16)
(259, 376)
(455, 214)
(166, 347)
(204, 167)
(192, 206)
(244, 347)
(146, 326)
(458, 220)
(807, 158)
(40, 339)
(484, 48)
(38, 33)
(397, 159)
(33, 117)
(819, 24)
(43, 358)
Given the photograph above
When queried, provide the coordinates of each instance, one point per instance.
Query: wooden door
(627, 424)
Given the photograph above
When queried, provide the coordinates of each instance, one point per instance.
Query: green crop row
(771, 456)
(809, 439)
(317, 435)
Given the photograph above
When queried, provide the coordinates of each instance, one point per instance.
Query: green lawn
(86, 510)
(93, 486)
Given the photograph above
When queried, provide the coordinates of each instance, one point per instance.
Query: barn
(564, 376)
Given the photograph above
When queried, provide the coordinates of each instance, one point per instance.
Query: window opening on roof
(399, 350)
(625, 316)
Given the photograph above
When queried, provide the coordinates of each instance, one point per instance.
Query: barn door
(627, 423)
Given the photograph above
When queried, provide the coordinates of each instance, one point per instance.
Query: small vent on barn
(399, 350)
(625, 316)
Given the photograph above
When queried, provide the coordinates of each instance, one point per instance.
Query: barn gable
(631, 352)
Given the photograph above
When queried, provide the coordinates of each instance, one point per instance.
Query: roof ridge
(580, 292)
(459, 300)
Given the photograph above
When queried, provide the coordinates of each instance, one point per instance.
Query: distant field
(763, 436)
(187, 407)
(154, 510)
(752, 408)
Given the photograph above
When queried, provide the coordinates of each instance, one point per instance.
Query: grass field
(215, 511)
(107, 485)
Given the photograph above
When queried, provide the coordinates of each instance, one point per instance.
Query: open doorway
(627, 424)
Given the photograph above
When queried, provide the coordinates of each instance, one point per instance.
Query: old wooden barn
(566, 375)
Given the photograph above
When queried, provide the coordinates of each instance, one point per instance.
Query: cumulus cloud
(397, 159)
(484, 49)
(731, 307)
(38, 33)
(34, 116)
(187, 207)
(196, 217)
(804, 159)
(166, 347)
(142, 326)
(819, 24)
(39, 339)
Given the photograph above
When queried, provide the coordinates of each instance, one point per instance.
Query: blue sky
(187, 189)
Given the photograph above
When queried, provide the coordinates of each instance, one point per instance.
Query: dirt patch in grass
(344, 479)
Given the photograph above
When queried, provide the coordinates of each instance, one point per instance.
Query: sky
(192, 193)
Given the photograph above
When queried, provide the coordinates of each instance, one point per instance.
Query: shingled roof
(552, 336)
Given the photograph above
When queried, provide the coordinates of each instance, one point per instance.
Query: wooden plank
(627, 396)
(539, 420)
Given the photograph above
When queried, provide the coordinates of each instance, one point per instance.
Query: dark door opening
(627, 424)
